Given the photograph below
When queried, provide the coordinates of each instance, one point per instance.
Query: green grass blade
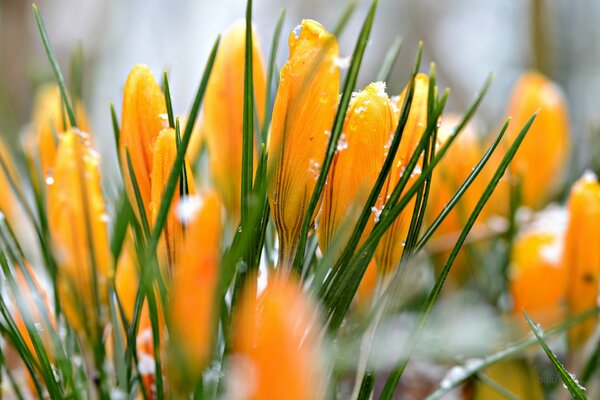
(336, 131)
(248, 119)
(119, 229)
(390, 60)
(342, 22)
(270, 73)
(591, 366)
(396, 373)
(77, 73)
(54, 63)
(509, 352)
(138, 195)
(367, 386)
(568, 379)
(167, 94)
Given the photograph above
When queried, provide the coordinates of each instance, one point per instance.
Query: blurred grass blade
(390, 60)
(77, 73)
(138, 195)
(591, 366)
(248, 119)
(54, 63)
(168, 101)
(394, 378)
(115, 126)
(568, 379)
(342, 22)
(336, 131)
(270, 73)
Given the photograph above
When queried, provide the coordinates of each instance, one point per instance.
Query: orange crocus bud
(165, 152)
(536, 257)
(582, 254)
(143, 117)
(127, 276)
(361, 153)
(223, 111)
(194, 288)
(7, 200)
(50, 121)
(391, 246)
(302, 117)
(78, 224)
(276, 345)
(544, 152)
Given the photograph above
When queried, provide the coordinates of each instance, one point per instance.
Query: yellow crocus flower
(143, 117)
(303, 114)
(581, 255)
(543, 155)
(223, 111)
(78, 224)
(369, 124)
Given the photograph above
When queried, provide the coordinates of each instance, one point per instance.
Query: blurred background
(467, 39)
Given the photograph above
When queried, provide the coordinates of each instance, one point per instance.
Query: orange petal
(127, 276)
(223, 112)
(193, 290)
(143, 117)
(361, 152)
(165, 152)
(582, 254)
(304, 109)
(544, 152)
(74, 201)
(276, 345)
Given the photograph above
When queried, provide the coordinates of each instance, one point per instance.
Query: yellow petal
(223, 112)
(303, 115)
(582, 254)
(276, 345)
(165, 152)
(50, 121)
(193, 290)
(544, 152)
(143, 117)
(127, 276)
(361, 153)
(391, 246)
(77, 219)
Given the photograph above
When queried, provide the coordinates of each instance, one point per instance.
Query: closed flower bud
(544, 152)
(78, 224)
(50, 121)
(276, 345)
(582, 255)
(165, 152)
(192, 316)
(127, 276)
(223, 111)
(143, 117)
(391, 246)
(361, 153)
(302, 117)
(537, 257)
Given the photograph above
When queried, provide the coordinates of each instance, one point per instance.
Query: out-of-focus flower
(366, 289)
(165, 152)
(143, 118)
(582, 254)
(50, 121)
(35, 300)
(537, 276)
(193, 290)
(303, 113)
(361, 153)
(78, 224)
(223, 109)
(518, 377)
(390, 248)
(145, 351)
(543, 155)
(7, 200)
(276, 345)
(127, 276)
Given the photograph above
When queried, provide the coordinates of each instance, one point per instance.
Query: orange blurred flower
(143, 117)
(276, 345)
(223, 109)
(582, 254)
(543, 155)
(78, 220)
(194, 289)
(390, 248)
(303, 113)
(163, 158)
(127, 276)
(369, 124)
